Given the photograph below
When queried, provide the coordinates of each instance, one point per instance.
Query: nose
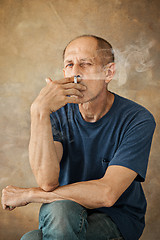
(76, 71)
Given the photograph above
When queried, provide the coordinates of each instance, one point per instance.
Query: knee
(36, 235)
(64, 212)
(59, 209)
(62, 218)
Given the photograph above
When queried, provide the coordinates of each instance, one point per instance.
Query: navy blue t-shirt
(121, 137)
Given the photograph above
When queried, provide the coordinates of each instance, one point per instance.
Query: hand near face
(56, 94)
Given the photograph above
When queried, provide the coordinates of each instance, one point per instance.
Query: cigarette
(75, 78)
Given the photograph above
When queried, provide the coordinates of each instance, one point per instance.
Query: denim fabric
(68, 220)
(33, 235)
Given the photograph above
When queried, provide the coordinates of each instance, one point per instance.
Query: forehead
(85, 47)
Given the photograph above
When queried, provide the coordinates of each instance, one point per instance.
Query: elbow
(48, 187)
(47, 184)
(108, 197)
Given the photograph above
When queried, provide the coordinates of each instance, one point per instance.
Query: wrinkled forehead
(81, 48)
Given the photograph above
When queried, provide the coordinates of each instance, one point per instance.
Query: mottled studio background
(33, 34)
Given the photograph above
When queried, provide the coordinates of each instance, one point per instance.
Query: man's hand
(56, 94)
(13, 197)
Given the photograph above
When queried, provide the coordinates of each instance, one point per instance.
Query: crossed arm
(90, 194)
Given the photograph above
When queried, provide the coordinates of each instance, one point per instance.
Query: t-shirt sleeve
(56, 127)
(133, 151)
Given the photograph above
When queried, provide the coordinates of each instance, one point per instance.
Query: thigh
(101, 227)
(63, 219)
(33, 235)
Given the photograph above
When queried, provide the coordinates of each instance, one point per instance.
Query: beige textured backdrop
(33, 34)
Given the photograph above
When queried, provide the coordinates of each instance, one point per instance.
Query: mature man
(89, 175)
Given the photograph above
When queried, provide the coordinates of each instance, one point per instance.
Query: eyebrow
(81, 60)
(68, 61)
(86, 59)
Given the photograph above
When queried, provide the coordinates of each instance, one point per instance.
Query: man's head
(92, 59)
(104, 48)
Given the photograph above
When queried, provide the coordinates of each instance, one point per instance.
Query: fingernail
(47, 80)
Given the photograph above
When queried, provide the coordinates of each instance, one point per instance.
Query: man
(89, 176)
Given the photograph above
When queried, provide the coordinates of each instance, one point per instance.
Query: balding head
(104, 48)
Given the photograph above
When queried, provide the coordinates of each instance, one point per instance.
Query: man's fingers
(61, 81)
(66, 83)
(65, 80)
(4, 206)
(11, 208)
(9, 188)
(73, 91)
(75, 85)
(68, 80)
(48, 80)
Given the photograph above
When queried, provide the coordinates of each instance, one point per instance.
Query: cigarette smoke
(135, 58)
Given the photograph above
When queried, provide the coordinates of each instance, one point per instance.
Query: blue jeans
(68, 220)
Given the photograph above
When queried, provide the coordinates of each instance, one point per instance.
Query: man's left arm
(92, 194)
(103, 192)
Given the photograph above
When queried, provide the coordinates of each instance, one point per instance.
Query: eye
(85, 64)
(69, 65)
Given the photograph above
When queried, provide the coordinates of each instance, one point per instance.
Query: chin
(88, 99)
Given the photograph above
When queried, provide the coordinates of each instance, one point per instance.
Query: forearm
(103, 192)
(42, 152)
(90, 194)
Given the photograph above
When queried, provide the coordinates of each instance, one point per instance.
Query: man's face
(82, 58)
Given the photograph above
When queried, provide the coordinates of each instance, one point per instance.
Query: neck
(94, 110)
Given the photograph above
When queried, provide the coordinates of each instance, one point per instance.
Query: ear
(109, 71)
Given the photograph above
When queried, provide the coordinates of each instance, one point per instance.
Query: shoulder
(129, 109)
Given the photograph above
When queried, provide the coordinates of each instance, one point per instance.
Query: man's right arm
(45, 154)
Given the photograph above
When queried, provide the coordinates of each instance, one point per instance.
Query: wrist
(33, 195)
(37, 195)
(39, 111)
(29, 195)
(40, 116)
